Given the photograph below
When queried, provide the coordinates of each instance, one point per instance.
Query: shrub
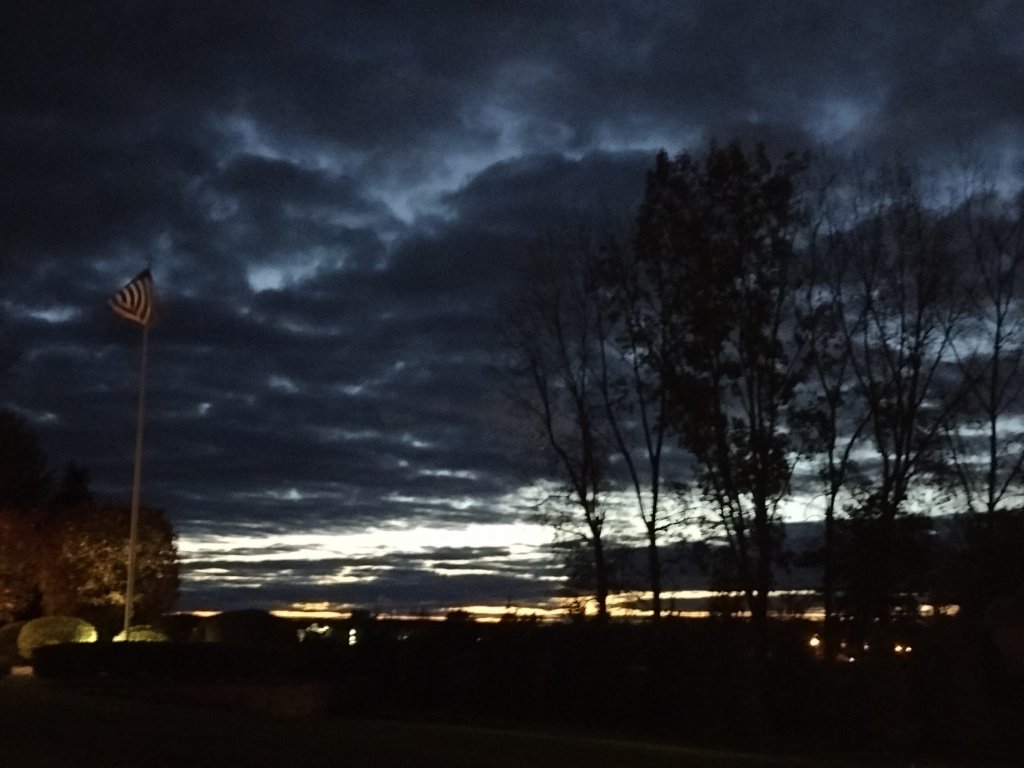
(53, 630)
(9, 642)
(143, 633)
(247, 627)
(179, 627)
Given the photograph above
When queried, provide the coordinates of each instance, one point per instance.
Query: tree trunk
(601, 577)
(654, 566)
(829, 639)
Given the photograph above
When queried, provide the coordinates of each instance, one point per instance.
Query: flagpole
(133, 538)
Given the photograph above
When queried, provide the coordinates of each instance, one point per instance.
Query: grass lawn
(43, 725)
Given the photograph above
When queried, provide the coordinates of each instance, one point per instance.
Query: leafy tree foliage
(19, 593)
(715, 238)
(62, 553)
(83, 564)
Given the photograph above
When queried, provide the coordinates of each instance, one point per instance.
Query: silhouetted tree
(985, 433)
(829, 417)
(73, 489)
(24, 480)
(831, 421)
(896, 292)
(553, 341)
(632, 313)
(715, 234)
(24, 491)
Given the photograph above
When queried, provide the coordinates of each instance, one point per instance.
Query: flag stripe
(135, 300)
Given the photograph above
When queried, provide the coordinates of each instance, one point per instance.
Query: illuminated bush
(143, 634)
(54, 630)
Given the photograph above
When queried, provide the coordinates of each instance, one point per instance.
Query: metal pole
(133, 537)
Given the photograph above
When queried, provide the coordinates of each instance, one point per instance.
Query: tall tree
(24, 479)
(19, 592)
(896, 292)
(715, 236)
(554, 343)
(832, 422)
(986, 434)
(830, 419)
(24, 492)
(73, 490)
(630, 310)
(83, 568)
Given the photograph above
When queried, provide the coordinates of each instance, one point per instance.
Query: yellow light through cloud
(520, 539)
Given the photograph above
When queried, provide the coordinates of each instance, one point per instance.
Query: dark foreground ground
(44, 724)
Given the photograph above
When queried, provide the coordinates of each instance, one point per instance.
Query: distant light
(814, 642)
(314, 629)
(353, 638)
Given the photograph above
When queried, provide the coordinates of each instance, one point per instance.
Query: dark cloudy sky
(335, 197)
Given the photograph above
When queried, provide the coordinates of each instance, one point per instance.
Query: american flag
(135, 300)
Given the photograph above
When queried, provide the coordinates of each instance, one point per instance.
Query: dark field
(462, 694)
(44, 724)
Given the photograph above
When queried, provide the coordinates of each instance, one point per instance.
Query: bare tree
(636, 401)
(833, 424)
(829, 417)
(991, 354)
(986, 436)
(554, 340)
(896, 292)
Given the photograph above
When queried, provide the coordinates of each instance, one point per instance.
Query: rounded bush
(143, 633)
(54, 630)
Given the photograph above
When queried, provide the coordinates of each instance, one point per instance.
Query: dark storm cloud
(336, 197)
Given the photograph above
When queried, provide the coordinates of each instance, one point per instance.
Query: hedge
(53, 630)
(180, 662)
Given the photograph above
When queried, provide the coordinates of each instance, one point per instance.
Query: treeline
(64, 553)
(772, 332)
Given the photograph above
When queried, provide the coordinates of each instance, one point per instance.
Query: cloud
(336, 198)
